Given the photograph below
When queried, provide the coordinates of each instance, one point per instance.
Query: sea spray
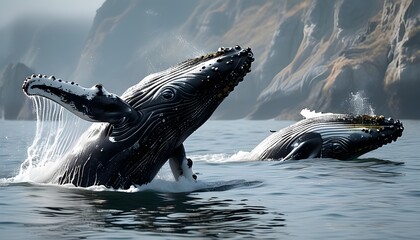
(56, 131)
(359, 104)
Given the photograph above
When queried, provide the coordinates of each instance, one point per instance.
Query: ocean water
(374, 197)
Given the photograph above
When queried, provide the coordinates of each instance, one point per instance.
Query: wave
(164, 182)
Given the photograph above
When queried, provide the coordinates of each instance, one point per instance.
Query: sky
(13, 9)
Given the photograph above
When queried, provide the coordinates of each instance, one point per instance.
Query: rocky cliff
(308, 53)
(344, 47)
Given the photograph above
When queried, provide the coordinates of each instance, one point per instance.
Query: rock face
(12, 99)
(309, 53)
(344, 47)
(131, 39)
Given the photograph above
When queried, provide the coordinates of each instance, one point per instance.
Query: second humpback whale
(139, 131)
(329, 135)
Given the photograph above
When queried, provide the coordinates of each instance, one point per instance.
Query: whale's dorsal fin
(93, 104)
(307, 113)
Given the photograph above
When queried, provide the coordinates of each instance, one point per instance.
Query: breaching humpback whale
(329, 135)
(145, 127)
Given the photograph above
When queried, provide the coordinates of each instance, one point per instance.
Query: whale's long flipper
(308, 145)
(92, 104)
(181, 165)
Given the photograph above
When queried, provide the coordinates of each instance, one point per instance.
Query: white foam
(163, 182)
(306, 113)
(241, 156)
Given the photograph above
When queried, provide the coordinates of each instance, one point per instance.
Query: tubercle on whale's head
(221, 71)
(383, 129)
(364, 133)
(212, 77)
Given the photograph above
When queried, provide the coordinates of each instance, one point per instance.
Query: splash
(307, 113)
(240, 156)
(56, 131)
(359, 104)
(187, 45)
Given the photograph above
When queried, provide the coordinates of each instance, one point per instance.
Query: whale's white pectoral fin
(93, 104)
(307, 146)
(181, 165)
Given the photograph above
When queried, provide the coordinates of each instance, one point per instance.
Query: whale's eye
(168, 94)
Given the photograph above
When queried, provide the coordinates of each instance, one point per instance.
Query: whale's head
(186, 95)
(350, 136)
(329, 135)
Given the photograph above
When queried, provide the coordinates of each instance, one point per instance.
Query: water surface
(374, 197)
